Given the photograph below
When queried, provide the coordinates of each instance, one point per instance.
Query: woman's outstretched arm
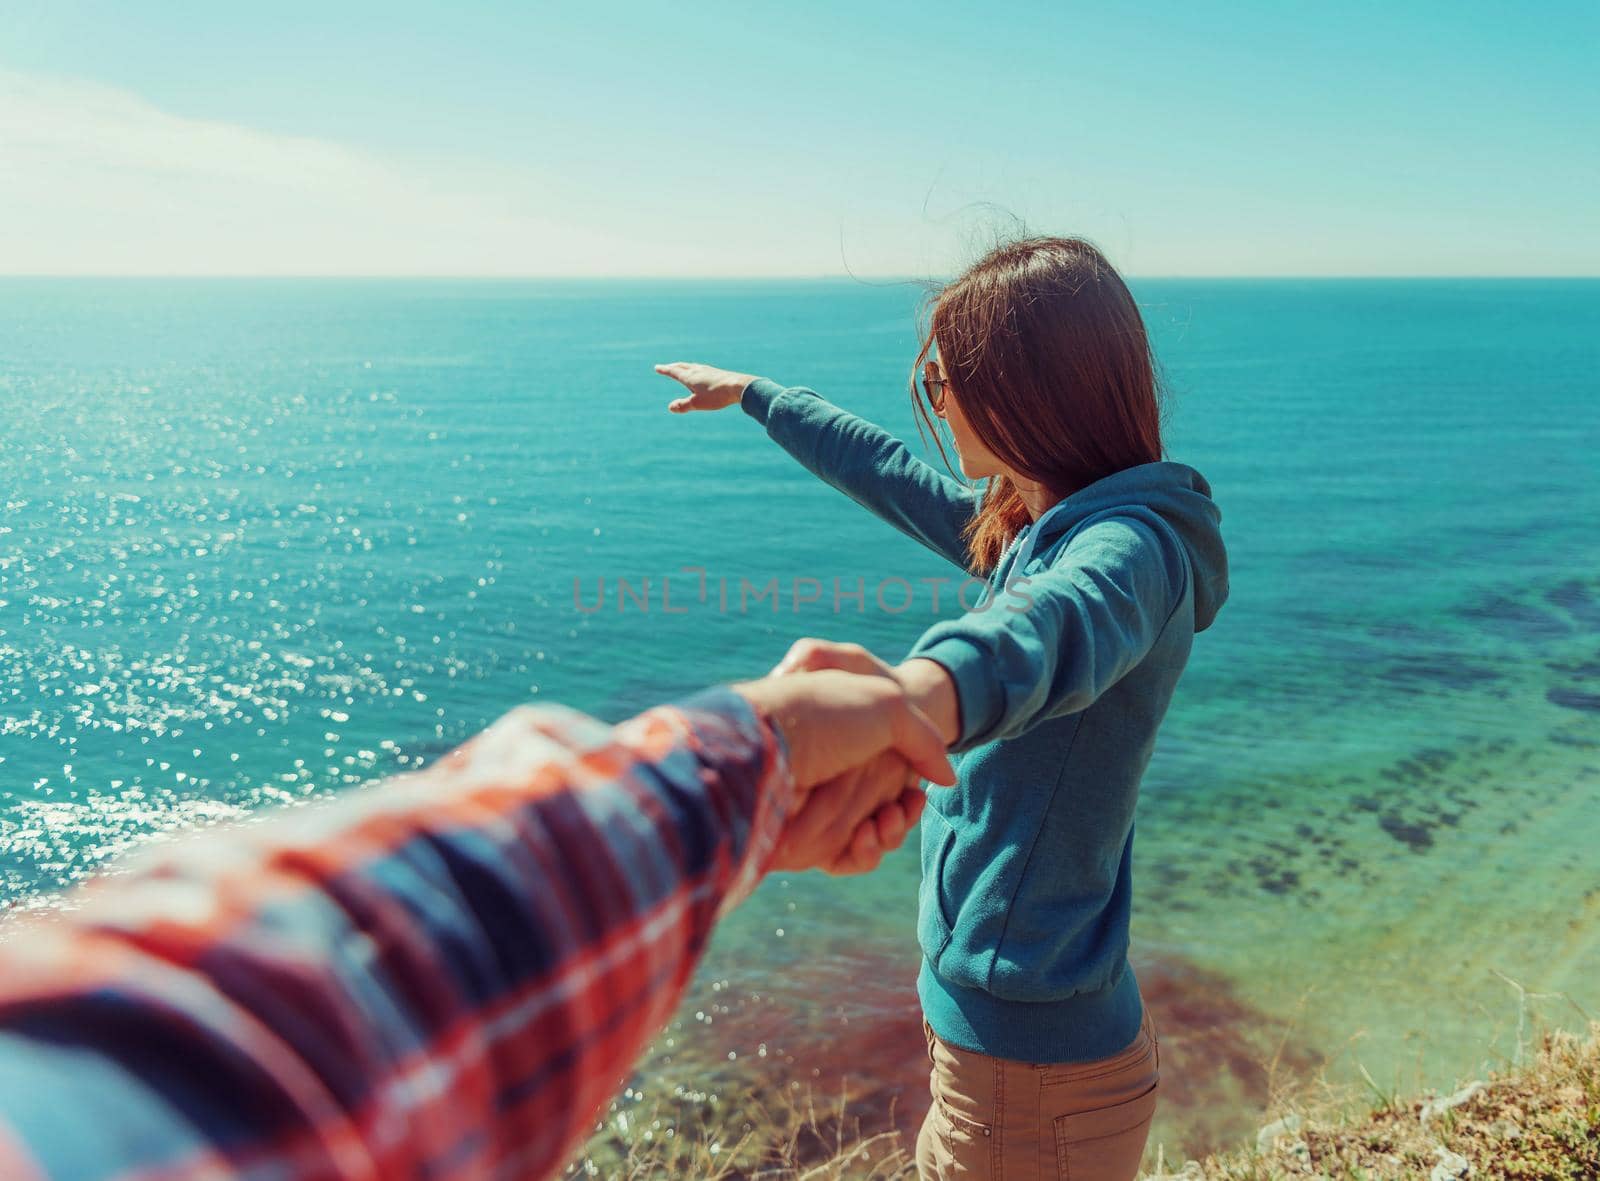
(857, 457)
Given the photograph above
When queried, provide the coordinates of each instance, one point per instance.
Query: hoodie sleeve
(867, 464)
(1051, 643)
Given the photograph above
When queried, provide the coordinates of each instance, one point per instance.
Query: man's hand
(859, 751)
(886, 830)
(835, 721)
(709, 388)
(926, 682)
(829, 831)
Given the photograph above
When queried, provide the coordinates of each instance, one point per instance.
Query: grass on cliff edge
(1537, 1122)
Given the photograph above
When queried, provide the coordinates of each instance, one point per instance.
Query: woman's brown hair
(1047, 355)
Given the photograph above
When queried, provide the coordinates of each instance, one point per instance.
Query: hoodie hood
(1175, 492)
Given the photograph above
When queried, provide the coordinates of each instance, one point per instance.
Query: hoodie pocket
(933, 925)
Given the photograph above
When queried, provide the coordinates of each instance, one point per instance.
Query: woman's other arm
(1050, 644)
(1053, 642)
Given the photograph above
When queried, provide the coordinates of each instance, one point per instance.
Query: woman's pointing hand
(709, 388)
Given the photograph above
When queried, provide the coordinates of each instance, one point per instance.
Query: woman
(1103, 562)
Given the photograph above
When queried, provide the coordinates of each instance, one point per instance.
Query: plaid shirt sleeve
(445, 975)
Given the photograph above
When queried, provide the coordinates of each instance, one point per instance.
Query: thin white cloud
(98, 181)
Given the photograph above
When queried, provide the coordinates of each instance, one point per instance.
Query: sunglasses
(933, 386)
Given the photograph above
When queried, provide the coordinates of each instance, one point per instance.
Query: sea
(266, 540)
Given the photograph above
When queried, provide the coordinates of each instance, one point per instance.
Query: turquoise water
(265, 539)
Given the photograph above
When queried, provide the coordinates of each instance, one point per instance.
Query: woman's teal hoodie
(1063, 680)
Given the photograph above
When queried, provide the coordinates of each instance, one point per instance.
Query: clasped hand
(859, 751)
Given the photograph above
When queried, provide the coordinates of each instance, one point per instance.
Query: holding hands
(860, 748)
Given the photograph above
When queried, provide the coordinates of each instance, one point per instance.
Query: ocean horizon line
(867, 280)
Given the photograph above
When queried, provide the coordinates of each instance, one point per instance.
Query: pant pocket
(960, 1134)
(965, 1147)
(1107, 1143)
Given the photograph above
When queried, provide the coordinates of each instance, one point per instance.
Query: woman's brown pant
(994, 1119)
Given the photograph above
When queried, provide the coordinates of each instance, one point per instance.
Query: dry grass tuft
(774, 1136)
(1539, 1122)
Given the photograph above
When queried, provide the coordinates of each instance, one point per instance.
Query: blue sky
(750, 139)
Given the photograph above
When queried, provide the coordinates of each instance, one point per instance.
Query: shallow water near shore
(267, 539)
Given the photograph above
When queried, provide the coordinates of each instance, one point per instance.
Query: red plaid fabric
(445, 975)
